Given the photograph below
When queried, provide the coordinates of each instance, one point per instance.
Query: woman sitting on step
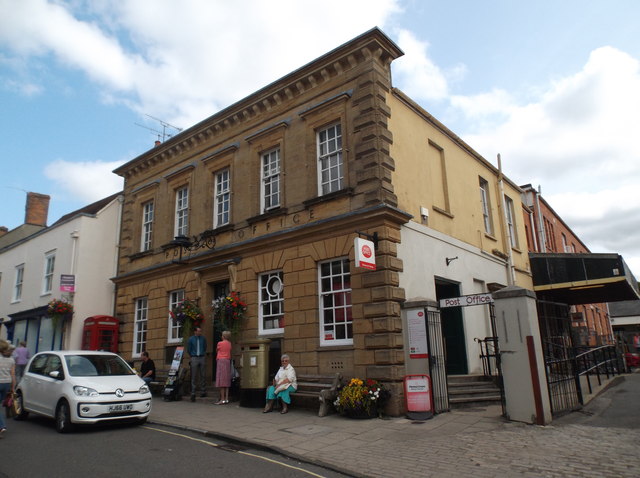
(284, 383)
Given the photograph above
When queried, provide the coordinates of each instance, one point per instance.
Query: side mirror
(57, 374)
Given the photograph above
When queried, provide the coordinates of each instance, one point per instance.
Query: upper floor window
(147, 226)
(271, 303)
(175, 297)
(17, 285)
(336, 321)
(270, 180)
(565, 245)
(330, 169)
(549, 236)
(222, 206)
(182, 212)
(47, 279)
(511, 218)
(140, 326)
(486, 206)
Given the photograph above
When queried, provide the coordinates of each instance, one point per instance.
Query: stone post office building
(271, 193)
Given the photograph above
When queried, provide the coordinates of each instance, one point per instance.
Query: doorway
(218, 289)
(452, 329)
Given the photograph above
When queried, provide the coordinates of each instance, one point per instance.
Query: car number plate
(121, 407)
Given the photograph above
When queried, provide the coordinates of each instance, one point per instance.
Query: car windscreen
(96, 365)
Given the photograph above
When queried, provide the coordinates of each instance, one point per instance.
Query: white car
(82, 386)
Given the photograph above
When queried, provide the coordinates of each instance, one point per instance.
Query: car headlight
(85, 391)
(144, 389)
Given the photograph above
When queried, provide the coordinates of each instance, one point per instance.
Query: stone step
(466, 402)
(472, 391)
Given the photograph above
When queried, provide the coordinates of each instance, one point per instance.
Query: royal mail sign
(365, 253)
(466, 300)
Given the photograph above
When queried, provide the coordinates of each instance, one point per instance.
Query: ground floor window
(271, 303)
(140, 326)
(39, 334)
(336, 322)
(175, 330)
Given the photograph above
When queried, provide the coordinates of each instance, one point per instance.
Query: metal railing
(488, 355)
(597, 362)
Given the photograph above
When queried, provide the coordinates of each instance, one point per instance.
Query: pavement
(476, 442)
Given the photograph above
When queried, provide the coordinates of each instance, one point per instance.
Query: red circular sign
(366, 251)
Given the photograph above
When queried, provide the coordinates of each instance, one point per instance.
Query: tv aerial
(164, 134)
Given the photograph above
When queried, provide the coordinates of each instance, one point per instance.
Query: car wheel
(142, 421)
(21, 413)
(63, 417)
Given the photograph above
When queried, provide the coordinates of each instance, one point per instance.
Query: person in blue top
(197, 348)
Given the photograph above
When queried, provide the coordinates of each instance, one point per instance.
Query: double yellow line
(205, 442)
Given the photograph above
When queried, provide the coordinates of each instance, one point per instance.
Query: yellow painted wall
(434, 170)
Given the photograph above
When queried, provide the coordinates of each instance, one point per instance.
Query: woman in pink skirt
(223, 367)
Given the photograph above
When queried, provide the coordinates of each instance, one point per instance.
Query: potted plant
(362, 398)
(59, 309)
(188, 316)
(229, 311)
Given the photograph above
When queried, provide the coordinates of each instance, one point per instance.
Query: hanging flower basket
(229, 311)
(188, 316)
(362, 399)
(59, 309)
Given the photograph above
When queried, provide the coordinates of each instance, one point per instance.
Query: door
(452, 330)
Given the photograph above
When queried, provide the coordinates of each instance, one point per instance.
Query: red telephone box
(100, 332)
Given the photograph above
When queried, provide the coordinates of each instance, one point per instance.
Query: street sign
(417, 392)
(466, 300)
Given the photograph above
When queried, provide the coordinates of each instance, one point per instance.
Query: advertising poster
(417, 328)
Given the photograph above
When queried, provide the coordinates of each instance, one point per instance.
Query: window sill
(333, 348)
(281, 211)
(219, 229)
(442, 211)
(278, 333)
(491, 237)
(138, 255)
(328, 197)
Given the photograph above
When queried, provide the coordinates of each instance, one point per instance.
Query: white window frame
(330, 164)
(148, 213)
(173, 334)
(270, 175)
(222, 200)
(270, 302)
(140, 326)
(18, 283)
(486, 206)
(182, 211)
(47, 276)
(327, 292)
(511, 221)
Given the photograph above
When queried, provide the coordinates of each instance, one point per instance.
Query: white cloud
(583, 127)
(183, 61)
(579, 141)
(419, 76)
(87, 180)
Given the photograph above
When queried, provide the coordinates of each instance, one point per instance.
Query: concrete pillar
(523, 370)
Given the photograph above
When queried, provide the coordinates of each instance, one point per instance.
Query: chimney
(37, 209)
(3, 230)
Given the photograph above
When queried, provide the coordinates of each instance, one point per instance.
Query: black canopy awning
(582, 278)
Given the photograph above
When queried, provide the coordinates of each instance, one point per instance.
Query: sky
(552, 86)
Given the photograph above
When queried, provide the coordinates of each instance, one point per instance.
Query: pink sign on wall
(67, 283)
